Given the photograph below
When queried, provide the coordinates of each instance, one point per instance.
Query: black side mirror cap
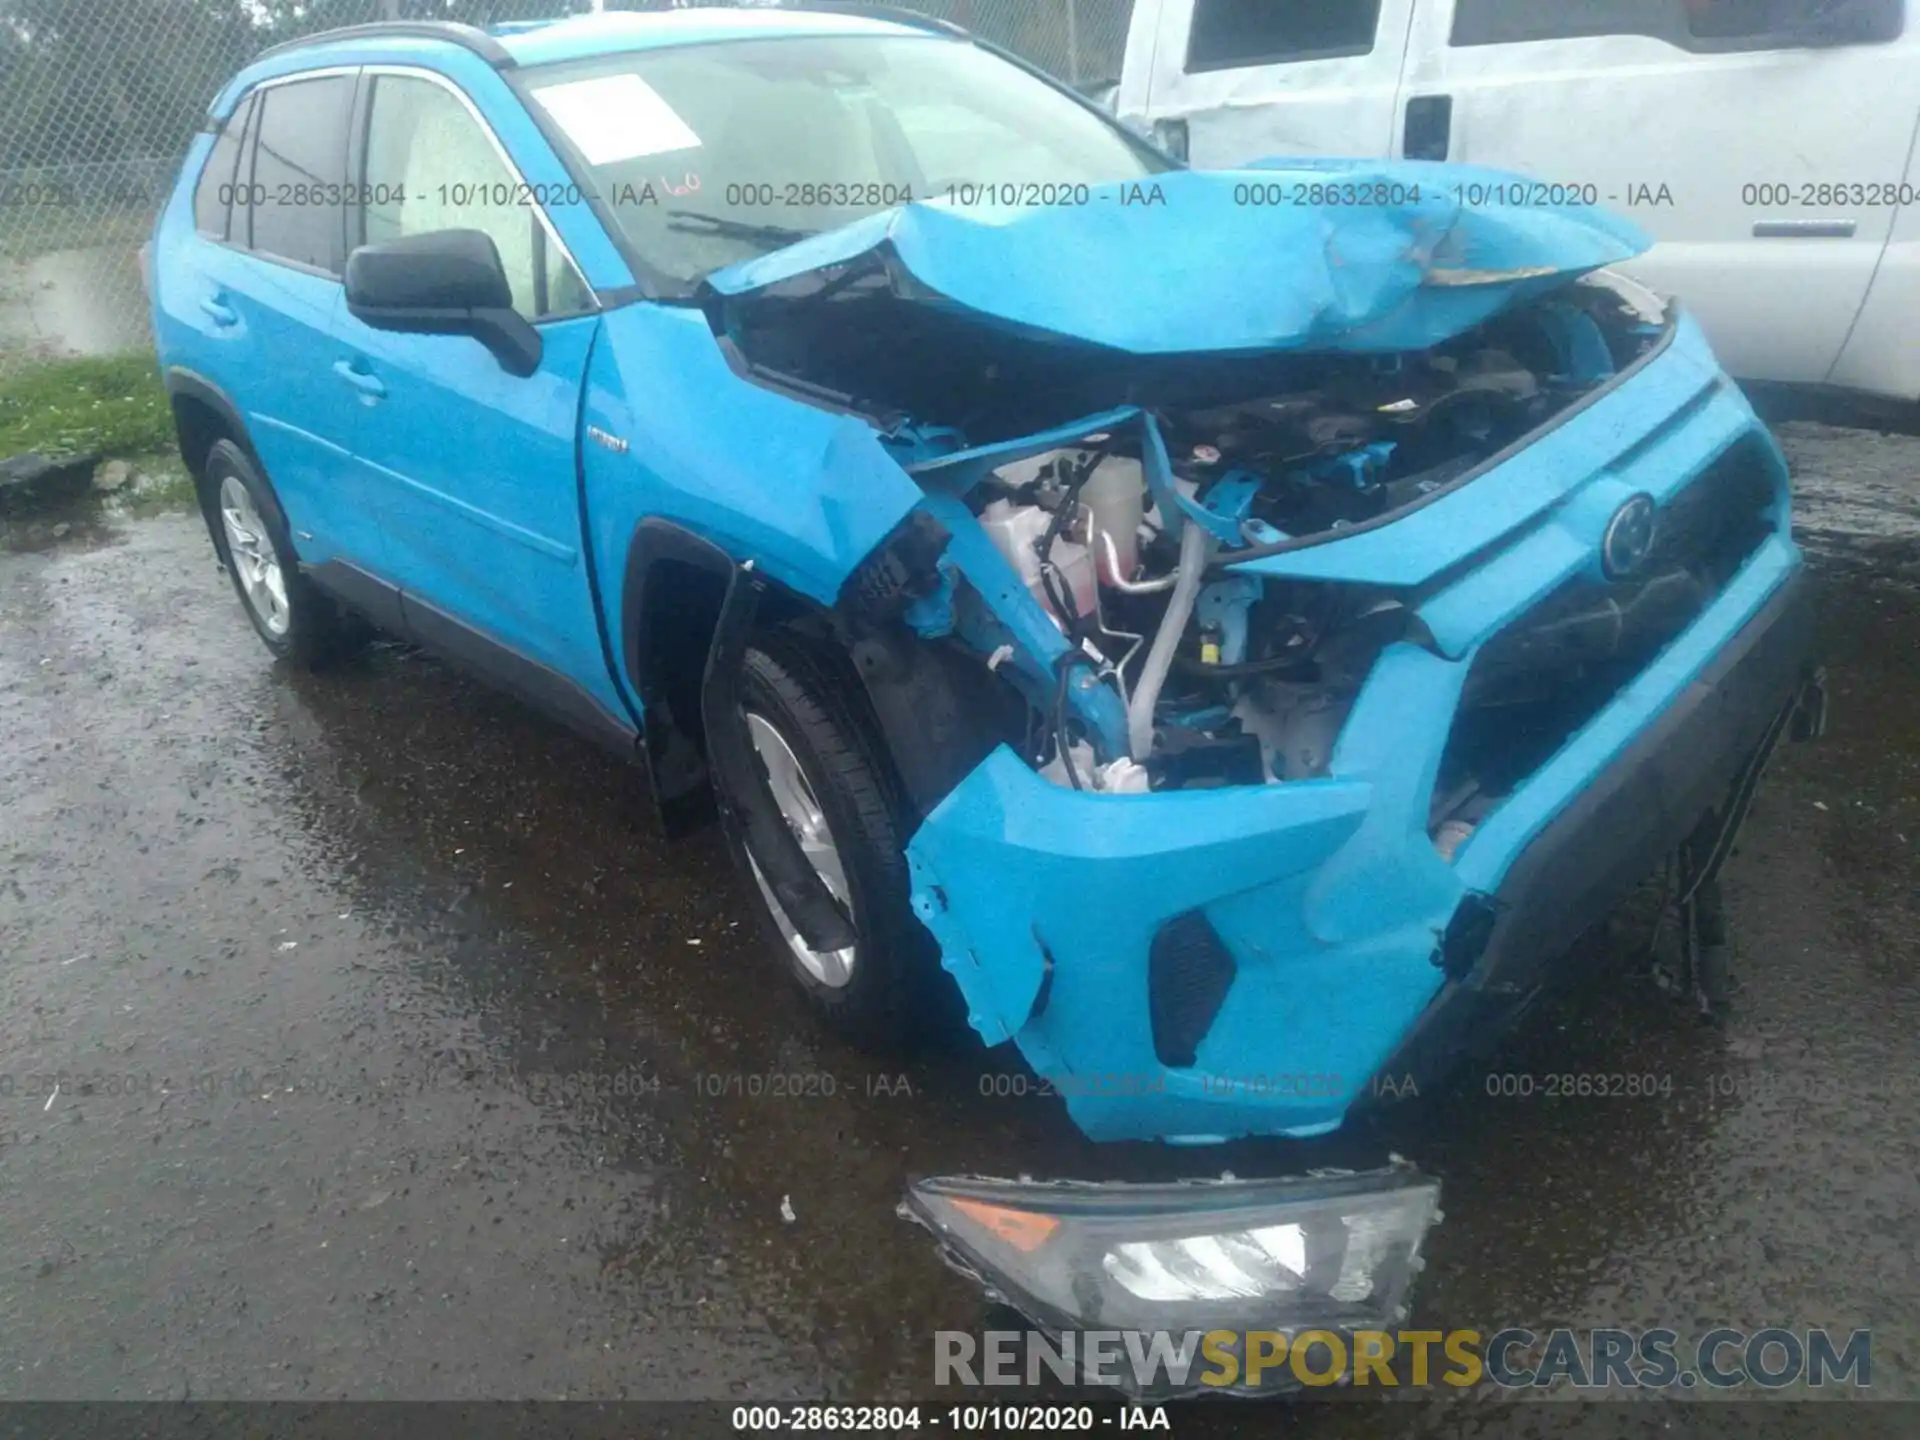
(443, 282)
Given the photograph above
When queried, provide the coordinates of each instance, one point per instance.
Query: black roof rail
(467, 37)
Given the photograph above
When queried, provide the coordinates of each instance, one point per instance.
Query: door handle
(221, 315)
(1805, 229)
(1429, 132)
(368, 385)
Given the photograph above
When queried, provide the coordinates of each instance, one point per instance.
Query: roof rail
(898, 14)
(467, 37)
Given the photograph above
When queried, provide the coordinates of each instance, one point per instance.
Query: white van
(1769, 146)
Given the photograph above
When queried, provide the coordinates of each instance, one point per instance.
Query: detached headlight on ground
(1336, 1252)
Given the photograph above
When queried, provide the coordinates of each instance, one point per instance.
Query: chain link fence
(101, 98)
(1080, 41)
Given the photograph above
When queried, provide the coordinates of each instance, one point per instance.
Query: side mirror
(444, 282)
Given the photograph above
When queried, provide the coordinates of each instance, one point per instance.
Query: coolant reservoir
(1016, 529)
(1116, 499)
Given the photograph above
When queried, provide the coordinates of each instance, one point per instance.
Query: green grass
(110, 404)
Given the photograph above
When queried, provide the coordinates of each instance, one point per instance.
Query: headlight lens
(1328, 1252)
(1269, 1261)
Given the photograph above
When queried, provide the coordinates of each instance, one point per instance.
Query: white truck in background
(1768, 146)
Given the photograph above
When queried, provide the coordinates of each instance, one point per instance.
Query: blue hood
(1182, 263)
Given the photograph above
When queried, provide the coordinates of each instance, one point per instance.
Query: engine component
(1224, 607)
(1196, 549)
(1186, 760)
(1115, 497)
(1018, 532)
(1129, 541)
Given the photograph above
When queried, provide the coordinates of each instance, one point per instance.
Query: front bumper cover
(1341, 921)
(1761, 685)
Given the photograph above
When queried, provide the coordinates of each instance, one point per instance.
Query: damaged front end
(1284, 587)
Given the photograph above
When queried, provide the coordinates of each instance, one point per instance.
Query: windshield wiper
(736, 229)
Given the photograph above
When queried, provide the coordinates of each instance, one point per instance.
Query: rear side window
(1230, 34)
(300, 170)
(1690, 24)
(213, 196)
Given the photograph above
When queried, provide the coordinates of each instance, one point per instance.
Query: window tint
(432, 166)
(299, 167)
(213, 196)
(1230, 33)
(240, 219)
(1745, 19)
(1699, 24)
(1498, 22)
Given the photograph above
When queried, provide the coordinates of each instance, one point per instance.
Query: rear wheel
(292, 615)
(821, 759)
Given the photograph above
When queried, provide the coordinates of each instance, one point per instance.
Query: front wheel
(821, 759)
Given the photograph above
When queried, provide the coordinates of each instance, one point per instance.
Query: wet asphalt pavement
(396, 1056)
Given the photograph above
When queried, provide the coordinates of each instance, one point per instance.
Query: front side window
(1230, 34)
(299, 170)
(708, 155)
(432, 166)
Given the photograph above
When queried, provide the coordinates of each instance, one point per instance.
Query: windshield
(709, 155)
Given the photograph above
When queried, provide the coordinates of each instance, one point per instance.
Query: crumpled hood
(1182, 264)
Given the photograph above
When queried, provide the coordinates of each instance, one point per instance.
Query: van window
(1691, 24)
(1230, 34)
(1755, 19)
(300, 170)
(213, 196)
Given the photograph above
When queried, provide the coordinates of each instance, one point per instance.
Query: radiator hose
(1196, 549)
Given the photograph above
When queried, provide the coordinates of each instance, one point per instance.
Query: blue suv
(1228, 633)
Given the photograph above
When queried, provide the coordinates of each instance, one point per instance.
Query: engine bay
(1126, 537)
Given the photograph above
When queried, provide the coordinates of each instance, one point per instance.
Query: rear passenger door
(271, 292)
(1767, 168)
(1256, 78)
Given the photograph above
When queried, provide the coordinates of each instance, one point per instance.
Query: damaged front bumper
(1198, 965)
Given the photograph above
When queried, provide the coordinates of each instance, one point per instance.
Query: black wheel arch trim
(802, 894)
(678, 772)
(729, 763)
(184, 384)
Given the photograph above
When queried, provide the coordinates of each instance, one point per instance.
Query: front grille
(1714, 525)
(1533, 686)
(1189, 971)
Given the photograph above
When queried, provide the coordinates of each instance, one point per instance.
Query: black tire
(894, 996)
(317, 630)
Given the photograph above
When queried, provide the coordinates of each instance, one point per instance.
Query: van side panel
(1882, 356)
(1340, 103)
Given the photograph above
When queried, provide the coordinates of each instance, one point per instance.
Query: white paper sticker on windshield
(616, 117)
